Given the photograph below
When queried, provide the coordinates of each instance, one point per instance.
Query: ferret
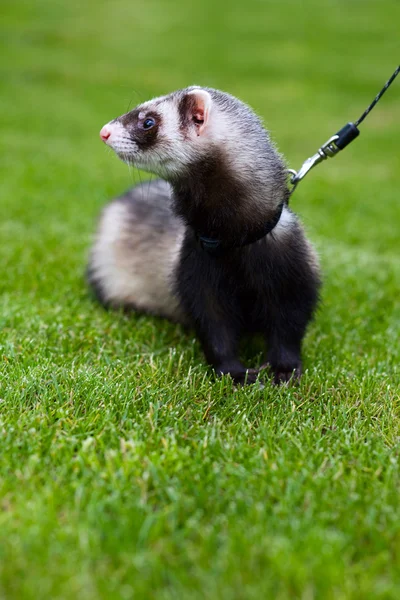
(213, 243)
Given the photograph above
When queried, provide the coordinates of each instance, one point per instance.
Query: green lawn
(126, 469)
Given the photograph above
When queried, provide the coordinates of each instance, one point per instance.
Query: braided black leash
(378, 97)
(340, 140)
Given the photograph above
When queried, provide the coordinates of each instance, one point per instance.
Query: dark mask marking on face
(144, 138)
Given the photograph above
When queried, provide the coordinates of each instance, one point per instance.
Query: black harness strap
(215, 247)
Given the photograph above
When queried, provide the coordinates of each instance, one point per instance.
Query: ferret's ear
(197, 108)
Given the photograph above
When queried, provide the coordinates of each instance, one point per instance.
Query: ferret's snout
(105, 133)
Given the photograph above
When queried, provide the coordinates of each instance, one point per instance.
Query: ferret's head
(169, 134)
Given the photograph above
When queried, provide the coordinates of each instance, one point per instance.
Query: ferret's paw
(283, 373)
(239, 374)
(248, 377)
(251, 376)
(286, 376)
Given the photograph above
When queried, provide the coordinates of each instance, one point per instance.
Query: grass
(126, 469)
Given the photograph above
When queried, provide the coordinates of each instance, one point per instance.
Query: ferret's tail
(135, 252)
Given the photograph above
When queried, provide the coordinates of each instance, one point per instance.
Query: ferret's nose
(105, 133)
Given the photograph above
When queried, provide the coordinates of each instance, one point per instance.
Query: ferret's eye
(148, 123)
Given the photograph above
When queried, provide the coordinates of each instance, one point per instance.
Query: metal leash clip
(337, 142)
(328, 149)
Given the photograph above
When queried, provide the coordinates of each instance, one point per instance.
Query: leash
(337, 142)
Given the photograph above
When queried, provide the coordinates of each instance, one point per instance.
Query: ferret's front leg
(284, 350)
(217, 330)
(287, 320)
(220, 346)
